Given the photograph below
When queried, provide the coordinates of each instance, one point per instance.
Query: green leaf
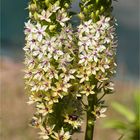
(128, 114)
(116, 124)
(137, 102)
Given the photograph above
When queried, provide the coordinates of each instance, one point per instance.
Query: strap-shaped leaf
(128, 114)
(116, 124)
(137, 102)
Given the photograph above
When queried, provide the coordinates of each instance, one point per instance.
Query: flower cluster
(49, 72)
(96, 53)
(64, 66)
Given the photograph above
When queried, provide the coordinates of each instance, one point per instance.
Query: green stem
(92, 101)
(89, 129)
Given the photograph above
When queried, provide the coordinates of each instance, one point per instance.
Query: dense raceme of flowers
(96, 53)
(65, 66)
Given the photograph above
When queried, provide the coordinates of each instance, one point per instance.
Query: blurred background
(15, 113)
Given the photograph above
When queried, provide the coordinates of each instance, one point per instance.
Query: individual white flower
(45, 15)
(106, 40)
(44, 64)
(62, 135)
(50, 44)
(92, 68)
(61, 89)
(64, 62)
(104, 22)
(90, 38)
(28, 75)
(29, 28)
(33, 99)
(95, 54)
(84, 44)
(38, 75)
(83, 75)
(30, 62)
(67, 33)
(61, 39)
(99, 112)
(109, 86)
(101, 76)
(46, 132)
(87, 89)
(35, 122)
(44, 109)
(102, 48)
(73, 120)
(103, 65)
(85, 27)
(52, 73)
(62, 17)
(68, 75)
(40, 31)
(70, 48)
(57, 53)
(51, 99)
(32, 43)
(85, 58)
(34, 86)
(38, 53)
(45, 85)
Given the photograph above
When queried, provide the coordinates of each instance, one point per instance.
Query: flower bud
(85, 10)
(97, 13)
(47, 2)
(81, 16)
(36, 16)
(102, 9)
(90, 7)
(66, 5)
(97, 1)
(32, 7)
(52, 27)
(92, 15)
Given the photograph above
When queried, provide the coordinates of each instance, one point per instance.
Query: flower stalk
(90, 122)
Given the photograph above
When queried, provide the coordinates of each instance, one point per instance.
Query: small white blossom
(99, 112)
(62, 17)
(29, 28)
(83, 75)
(85, 27)
(44, 109)
(45, 85)
(85, 58)
(68, 75)
(46, 132)
(104, 22)
(33, 99)
(73, 120)
(62, 135)
(87, 89)
(40, 31)
(45, 15)
(52, 73)
(61, 89)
